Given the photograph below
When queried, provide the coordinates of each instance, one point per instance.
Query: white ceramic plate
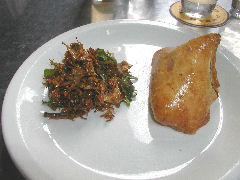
(132, 146)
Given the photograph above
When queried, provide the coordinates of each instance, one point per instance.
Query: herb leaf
(48, 72)
(107, 58)
(127, 78)
(129, 93)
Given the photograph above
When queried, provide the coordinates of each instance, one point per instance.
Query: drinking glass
(198, 8)
(235, 11)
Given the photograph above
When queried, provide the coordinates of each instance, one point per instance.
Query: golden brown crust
(184, 83)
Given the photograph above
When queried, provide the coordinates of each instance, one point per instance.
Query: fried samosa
(184, 83)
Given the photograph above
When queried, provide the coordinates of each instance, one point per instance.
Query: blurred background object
(121, 9)
(200, 13)
(235, 11)
(198, 8)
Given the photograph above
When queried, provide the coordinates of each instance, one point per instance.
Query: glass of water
(198, 8)
(235, 11)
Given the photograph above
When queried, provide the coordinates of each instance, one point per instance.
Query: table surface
(26, 25)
